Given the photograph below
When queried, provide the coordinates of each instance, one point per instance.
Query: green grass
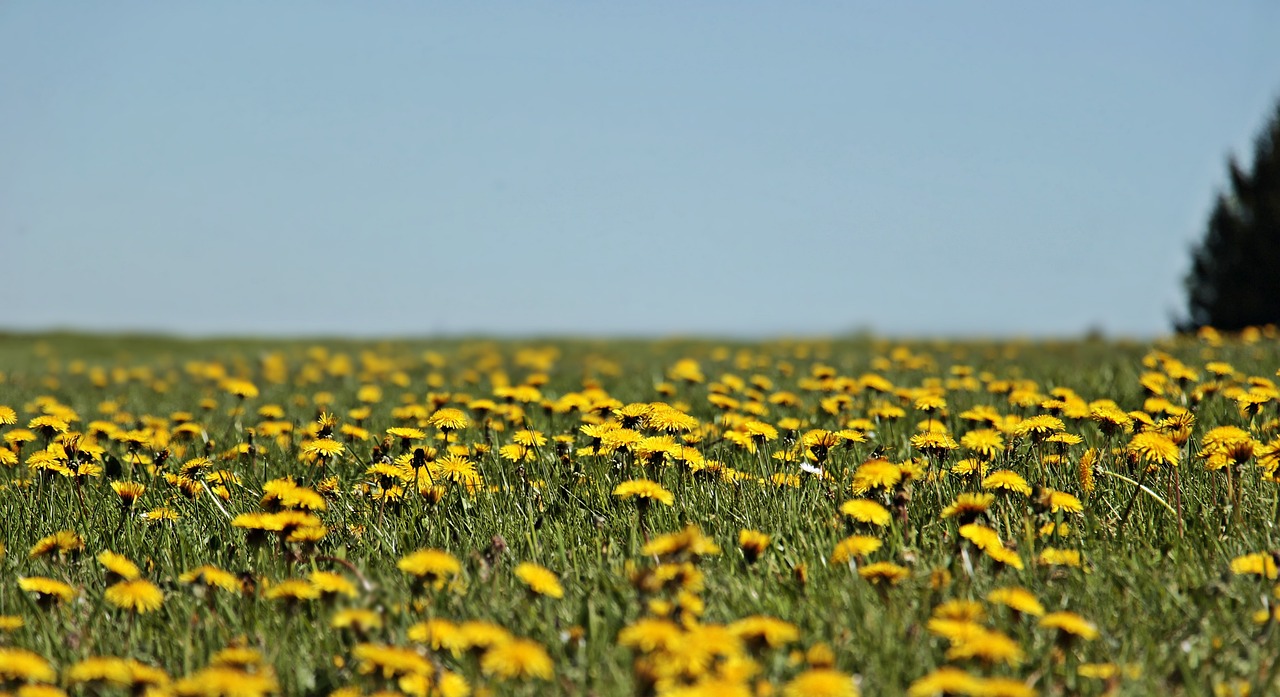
(1166, 605)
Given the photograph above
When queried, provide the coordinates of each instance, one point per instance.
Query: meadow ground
(615, 518)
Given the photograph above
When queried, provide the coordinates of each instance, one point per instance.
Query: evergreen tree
(1235, 273)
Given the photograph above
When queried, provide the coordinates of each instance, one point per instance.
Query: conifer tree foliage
(1234, 280)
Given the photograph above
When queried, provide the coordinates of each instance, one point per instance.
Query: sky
(658, 168)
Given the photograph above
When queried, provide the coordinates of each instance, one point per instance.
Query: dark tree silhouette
(1234, 280)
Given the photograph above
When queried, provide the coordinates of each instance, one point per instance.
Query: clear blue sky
(641, 168)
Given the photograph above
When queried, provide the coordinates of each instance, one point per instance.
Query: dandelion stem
(1138, 486)
(1177, 500)
(214, 497)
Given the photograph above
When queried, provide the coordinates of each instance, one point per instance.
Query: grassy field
(616, 518)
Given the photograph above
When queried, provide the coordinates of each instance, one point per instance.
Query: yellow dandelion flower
(762, 631)
(118, 565)
(331, 584)
(455, 468)
(686, 370)
(759, 431)
(1085, 471)
(820, 655)
(1258, 564)
(650, 634)
(293, 590)
(447, 684)
(129, 492)
(854, 547)
(981, 536)
(140, 596)
(1050, 556)
(1018, 599)
(822, 682)
(323, 449)
(21, 665)
(668, 576)
(1004, 687)
(644, 489)
(875, 474)
(1227, 443)
(866, 511)
(529, 438)
(358, 619)
(945, 681)
(1110, 418)
(930, 403)
(18, 436)
(1070, 623)
(968, 506)
(539, 580)
(886, 412)
(884, 572)
(970, 467)
(101, 669)
(688, 542)
(406, 434)
(390, 661)
(1063, 440)
(1153, 448)
(959, 610)
(1060, 502)
(480, 635)
(285, 493)
(211, 576)
(516, 453)
(1039, 427)
(47, 590)
(47, 426)
(237, 656)
(953, 629)
(987, 645)
(437, 634)
(517, 659)
(240, 388)
(449, 419)
(671, 420)
(1098, 671)
(984, 442)
(933, 443)
(753, 543)
(1006, 480)
(1005, 556)
(63, 542)
(226, 681)
(430, 566)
